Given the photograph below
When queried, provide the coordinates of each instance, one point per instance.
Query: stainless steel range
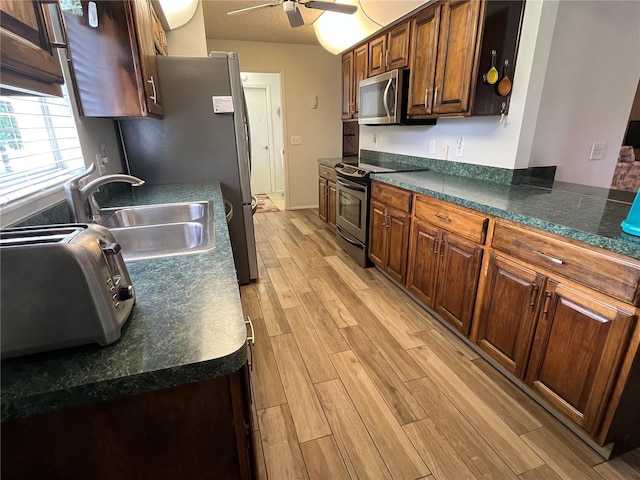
(353, 191)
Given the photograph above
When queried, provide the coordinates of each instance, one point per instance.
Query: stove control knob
(126, 293)
(361, 172)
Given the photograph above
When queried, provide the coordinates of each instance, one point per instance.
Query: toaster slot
(38, 235)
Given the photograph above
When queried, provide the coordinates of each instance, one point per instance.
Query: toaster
(61, 286)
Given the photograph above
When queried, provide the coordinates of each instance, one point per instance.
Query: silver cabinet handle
(386, 60)
(435, 96)
(443, 217)
(154, 97)
(426, 98)
(252, 339)
(555, 260)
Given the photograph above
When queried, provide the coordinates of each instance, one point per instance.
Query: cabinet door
(509, 311)
(360, 72)
(397, 225)
(322, 199)
(423, 262)
(576, 353)
(398, 48)
(147, 52)
(456, 53)
(347, 85)
(457, 281)
(378, 233)
(422, 62)
(28, 62)
(331, 203)
(377, 55)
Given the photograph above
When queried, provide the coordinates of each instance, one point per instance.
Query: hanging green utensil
(504, 87)
(492, 75)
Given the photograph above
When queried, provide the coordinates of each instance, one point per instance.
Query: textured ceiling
(264, 25)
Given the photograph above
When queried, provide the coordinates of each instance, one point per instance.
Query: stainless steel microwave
(383, 98)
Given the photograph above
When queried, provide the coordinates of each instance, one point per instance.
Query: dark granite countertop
(591, 215)
(187, 325)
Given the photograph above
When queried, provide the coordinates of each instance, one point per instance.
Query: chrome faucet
(77, 196)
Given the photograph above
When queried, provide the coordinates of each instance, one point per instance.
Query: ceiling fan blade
(295, 18)
(331, 7)
(255, 7)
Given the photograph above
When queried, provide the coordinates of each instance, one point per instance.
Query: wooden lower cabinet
(577, 351)
(389, 239)
(322, 199)
(327, 194)
(507, 319)
(197, 430)
(443, 273)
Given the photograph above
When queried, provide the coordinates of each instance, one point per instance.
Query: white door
(261, 144)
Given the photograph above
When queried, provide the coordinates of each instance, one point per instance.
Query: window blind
(39, 145)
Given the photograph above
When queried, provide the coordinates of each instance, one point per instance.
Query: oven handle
(351, 187)
(348, 239)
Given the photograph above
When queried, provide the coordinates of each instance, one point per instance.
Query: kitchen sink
(154, 214)
(163, 230)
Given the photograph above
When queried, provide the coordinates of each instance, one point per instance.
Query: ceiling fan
(290, 7)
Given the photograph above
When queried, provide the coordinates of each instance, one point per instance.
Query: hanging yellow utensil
(504, 87)
(491, 76)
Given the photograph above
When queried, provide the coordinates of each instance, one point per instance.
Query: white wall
(305, 70)
(189, 40)
(589, 88)
(560, 102)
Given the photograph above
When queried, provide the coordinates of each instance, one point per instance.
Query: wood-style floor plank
(261, 466)
(308, 417)
(404, 407)
(403, 363)
(545, 472)
(278, 247)
(332, 303)
(284, 291)
(346, 274)
(323, 460)
(558, 456)
(313, 353)
(281, 449)
(434, 448)
(325, 327)
(302, 226)
(481, 459)
(509, 410)
(268, 255)
(616, 469)
(396, 449)
(296, 278)
(361, 457)
(267, 386)
(339, 287)
(272, 312)
(509, 446)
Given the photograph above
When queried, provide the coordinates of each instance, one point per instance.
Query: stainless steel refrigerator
(203, 136)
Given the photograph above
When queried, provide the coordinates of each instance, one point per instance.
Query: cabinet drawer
(327, 173)
(461, 222)
(604, 272)
(392, 196)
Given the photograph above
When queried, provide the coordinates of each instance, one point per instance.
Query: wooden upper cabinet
(377, 55)
(509, 311)
(390, 50)
(113, 65)
(28, 61)
(456, 56)
(422, 62)
(398, 46)
(360, 72)
(347, 85)
(577, 350)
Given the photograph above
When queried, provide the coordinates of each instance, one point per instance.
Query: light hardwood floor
(354, 380)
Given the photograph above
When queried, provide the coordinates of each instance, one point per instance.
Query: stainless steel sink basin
(163, 230)
(154, 214)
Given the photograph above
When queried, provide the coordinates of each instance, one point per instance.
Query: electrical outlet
(597, 151)
(432, 146)
(295, 140)
(444, 151)
(375, 140)
(459, 147)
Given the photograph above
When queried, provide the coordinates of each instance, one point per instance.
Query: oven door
(352, 208)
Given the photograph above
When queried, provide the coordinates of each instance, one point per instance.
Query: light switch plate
(295, 140)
